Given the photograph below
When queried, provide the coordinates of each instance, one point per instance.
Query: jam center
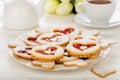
(33, 39)
(66, 31)
(26, 51)
(53, 39)
(82, 47)
(48, 51)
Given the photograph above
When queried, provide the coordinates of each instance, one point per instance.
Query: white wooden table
(11, 70)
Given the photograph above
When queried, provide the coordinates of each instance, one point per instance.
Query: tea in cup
(98, 11)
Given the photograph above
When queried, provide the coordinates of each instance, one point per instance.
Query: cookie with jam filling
(31, 39)
(47, 52)
(23, 52)
(71, 31)
(53, 38)
(83, 48)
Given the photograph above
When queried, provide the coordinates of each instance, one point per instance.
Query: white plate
(82, 19)
(104, 53)
(58, 67)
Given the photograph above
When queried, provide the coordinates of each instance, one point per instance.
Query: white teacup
(98, 12)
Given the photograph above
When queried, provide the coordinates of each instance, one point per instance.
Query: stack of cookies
(65, 45)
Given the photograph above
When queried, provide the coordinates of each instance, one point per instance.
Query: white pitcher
(19, 14)
(40, 8)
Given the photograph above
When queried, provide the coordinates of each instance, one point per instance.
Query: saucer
(82, 19)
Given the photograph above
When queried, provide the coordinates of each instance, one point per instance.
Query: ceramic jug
(19, 14)
(40, 7)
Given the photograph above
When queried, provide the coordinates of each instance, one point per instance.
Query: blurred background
(2, 4)
(36, 1)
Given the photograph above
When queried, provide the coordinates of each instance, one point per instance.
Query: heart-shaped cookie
(89, 37)
(67, 30)
(53, 38)
(23, 52)
(83, 48)
(106, 43)
(78, 63)
(91, 32)
(103, 71)
(47, 52)
(31, 39)
(67, 58)
(44, 65)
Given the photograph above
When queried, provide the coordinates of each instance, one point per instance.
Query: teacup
(98, 11)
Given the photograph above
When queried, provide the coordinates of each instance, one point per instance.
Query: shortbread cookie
(31, 39)
(83, 48)
(78, 63)
(37, 30)
(91, 32)
(89, 37)
(67, 30)
(47, 52)
(106, 43)
(16, 42)
(103, 72)
(44, 65)
(23, 52)
(67, 58)
(53, 38)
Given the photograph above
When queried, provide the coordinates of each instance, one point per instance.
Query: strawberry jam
(49, 51)
(53, 50)
(41, 52)
(22, 51)
(25, 51)
(66, 31)
(33, 39)
(28, 49)
(82, 47)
